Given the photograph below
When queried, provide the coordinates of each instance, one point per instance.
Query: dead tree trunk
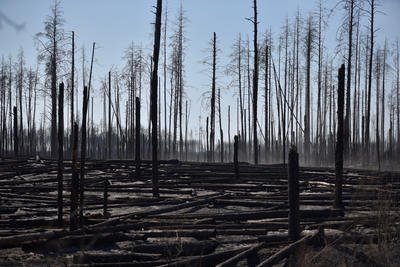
(371, 52)
(236, 156)
(339, 141)
(377, 137)
(60, 153)
(106, 184)
(15, 132)
(83, 156)
(212, 124)
(294, 197)
(229, 130)
(221, 133)
(72, 89)
(207, 143)
(255, 84)
(347, 117)
(307, 96)
(73, 217)
(266, 101)
(165, 82)
(153, 103)
(109, 115)
(137, 139)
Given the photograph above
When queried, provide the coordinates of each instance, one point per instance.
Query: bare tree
(153, 103)
(255, 83)
(51, 52)
(372, 12)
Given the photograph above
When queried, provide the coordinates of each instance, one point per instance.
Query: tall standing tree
(397, 68)
(372, 12)
(255, 81)
(153, 97)
(310, 36)
(165, 75)
(213, 94)
(20, 77)
(235, 68)
(349, 7)
(51, 52)
(72, 118)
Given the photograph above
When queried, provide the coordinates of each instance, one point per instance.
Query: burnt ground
(204, 216)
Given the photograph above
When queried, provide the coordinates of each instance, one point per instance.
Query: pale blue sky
(113, 25)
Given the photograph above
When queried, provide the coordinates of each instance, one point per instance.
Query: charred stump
(293, 192)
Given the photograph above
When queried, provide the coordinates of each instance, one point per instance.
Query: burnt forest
(200, 133)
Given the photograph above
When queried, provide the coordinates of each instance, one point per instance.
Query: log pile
(206, 214)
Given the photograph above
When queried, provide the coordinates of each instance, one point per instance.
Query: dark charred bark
(236, 156)
(255, 84)
(16, 143)
(73, 219)
(153, 103)
(60, 168)
(339, 141)
(212, 124)
(137, 139)
(83, 157)
(294, 195)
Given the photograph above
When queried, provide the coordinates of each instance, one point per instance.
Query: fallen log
(177, 248)
(90, 257)
(158, 211)
(255, 215)
(18, 240)
(78, 242)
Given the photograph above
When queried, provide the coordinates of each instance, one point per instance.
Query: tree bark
(73, 222)
(60, 168)
(294, 195)
(137, 139)
(153, 103)
(83, 157)
(339, 142)
(255, 84)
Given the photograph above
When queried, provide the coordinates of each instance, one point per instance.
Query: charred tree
(371, 53)
(137, 139)
(236, 156)
(348, 94)
(73, 217)
(212, 116)
(52, 42)
(166, 144)
(294, 195)
(255, 83)
(83, 157)
(72, 90)
(60, 168)
(153, 103)
(221, 133)
(307, 111)
(16, 143)
(109, 116)
(338, 203)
